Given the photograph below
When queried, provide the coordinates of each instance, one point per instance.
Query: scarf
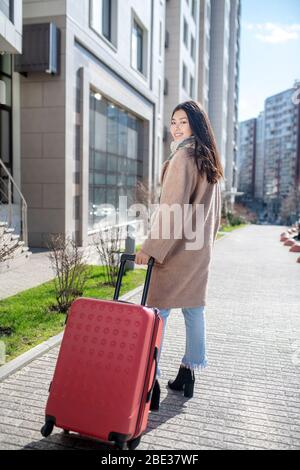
(178, 144)
(174, 146)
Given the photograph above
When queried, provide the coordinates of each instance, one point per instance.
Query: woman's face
(180, 127)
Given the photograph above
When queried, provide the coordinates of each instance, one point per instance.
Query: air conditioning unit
(41, 49)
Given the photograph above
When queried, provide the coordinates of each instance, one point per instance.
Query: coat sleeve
(177, 187)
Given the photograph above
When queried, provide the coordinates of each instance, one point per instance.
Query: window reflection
(114, 150)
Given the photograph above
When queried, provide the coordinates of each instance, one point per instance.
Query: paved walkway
(36, 270)
(248, 397)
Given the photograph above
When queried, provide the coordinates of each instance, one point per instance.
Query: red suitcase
(106, 368)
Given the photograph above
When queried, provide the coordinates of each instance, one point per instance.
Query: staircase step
(3, 228)
(9, 230)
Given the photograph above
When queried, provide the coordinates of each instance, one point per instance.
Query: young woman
(191, 176)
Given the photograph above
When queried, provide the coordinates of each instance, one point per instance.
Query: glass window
(185, 32)
(137, 47)
(184, 76)
(5, 64)
(6, 111)
(100, 161)
(122, 134)
(103, 18)
(160, 38)
(192, 47)
(100, 131)
(115, 170)
(112, 128)
(191, 86)
(6, 6)
(112, 162)
(194, 9)
(96, 15)
(106, 19)
(99, 178)
(5, 137)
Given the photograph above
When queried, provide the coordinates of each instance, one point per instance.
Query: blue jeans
(195, 352)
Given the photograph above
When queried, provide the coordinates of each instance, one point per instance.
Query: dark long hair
(206, 154)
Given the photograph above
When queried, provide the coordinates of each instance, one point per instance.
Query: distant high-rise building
(259, 158)
(246, 157)
(269, 154)
(281, 148)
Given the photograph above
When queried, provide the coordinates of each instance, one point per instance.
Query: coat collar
(177, 144)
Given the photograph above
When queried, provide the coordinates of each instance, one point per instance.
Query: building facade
(91, 131)
(181, 58)
(269, 156)
(94, 85)
(281, 150)
(259, 158)
(10, 143)
(223, 84)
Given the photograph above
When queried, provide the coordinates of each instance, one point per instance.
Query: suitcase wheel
(120, 445)
(47, 428)
(133, 444)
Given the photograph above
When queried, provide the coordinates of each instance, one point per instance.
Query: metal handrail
(11, 183)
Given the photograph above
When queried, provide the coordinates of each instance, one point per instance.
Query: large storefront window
(114, 166)
(5, 118)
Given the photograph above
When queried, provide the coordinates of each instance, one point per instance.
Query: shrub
(70, 269)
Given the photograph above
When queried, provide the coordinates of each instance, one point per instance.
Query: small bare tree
(69, 265)
(108, 245)
(6, 249)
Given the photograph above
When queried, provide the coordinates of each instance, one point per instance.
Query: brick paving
(247, 398)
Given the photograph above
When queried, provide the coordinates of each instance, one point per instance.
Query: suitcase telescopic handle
(131, 257)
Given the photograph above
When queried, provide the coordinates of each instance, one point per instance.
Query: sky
(270, 52)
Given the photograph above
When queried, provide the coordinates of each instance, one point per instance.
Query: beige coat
(180, 275)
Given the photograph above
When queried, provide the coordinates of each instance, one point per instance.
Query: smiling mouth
(177, 135)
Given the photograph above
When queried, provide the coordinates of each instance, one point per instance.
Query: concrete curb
(24, 359)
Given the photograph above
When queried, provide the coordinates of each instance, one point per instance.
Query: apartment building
(269, 153)
(281, 148)
(204, 52)
(247, 157)
(181, 58)
(92, 127)
(211, 28)
(259, 158)
(223, 84)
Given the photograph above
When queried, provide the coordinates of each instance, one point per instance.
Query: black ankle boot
(154, 406)
(185, 380)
